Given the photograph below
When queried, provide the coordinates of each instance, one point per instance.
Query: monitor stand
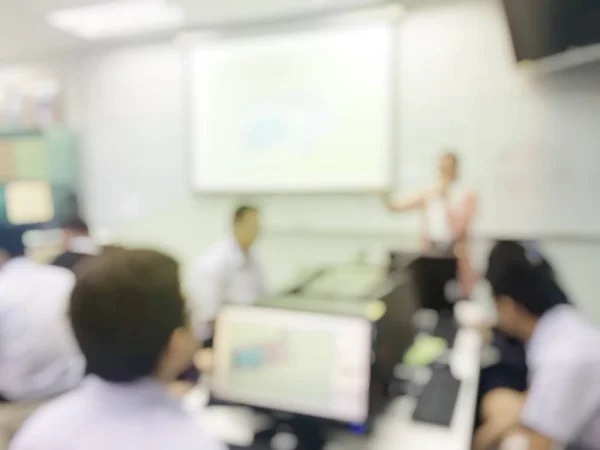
(291, 432)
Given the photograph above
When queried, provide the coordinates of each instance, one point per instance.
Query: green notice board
(62, 158)
(3, 219)
(7, 169)
(34, 156)
(31, 158)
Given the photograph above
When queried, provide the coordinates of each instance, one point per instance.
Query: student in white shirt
(130, 320)
(448, 209)
(562, 404)
(228, 272)
(39, 357)
(77, 245)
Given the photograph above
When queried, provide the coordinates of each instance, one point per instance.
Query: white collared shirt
(563, 401)
(223, 274)
(438, 225)
(114, 416)
(38, 353)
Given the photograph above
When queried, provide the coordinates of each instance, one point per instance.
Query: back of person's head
(76, 225)
(112, 248)
(545, 269)
(129, 316)
(522, 273)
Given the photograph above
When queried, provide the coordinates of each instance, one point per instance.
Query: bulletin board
(38, 177)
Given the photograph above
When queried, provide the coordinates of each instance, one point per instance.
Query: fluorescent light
(118, 19)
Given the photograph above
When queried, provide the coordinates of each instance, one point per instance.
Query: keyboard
(438, 399)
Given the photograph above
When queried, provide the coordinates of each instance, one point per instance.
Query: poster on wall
(30, 102)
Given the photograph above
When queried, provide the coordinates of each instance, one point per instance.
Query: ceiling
(25, 35)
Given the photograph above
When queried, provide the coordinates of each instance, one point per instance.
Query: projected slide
(290, 365)
(299, 111)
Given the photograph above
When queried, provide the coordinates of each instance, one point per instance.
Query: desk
(396, 430)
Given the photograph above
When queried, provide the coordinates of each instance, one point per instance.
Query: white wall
(132, 123)
(455, 56)
(457, 82)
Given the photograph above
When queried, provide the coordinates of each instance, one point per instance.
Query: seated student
(77, 245)
(229, 271)
(511, 373)
(129, 318)
(39, 357)
(562, 403)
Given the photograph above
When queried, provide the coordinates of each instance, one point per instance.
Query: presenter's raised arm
(416, 201)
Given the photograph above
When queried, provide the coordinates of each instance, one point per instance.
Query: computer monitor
(306, 363)
(435, 281)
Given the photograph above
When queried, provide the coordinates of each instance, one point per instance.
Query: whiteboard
(527, 143)
(300, 111)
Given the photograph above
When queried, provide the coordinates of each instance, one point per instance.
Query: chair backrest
(12, 416)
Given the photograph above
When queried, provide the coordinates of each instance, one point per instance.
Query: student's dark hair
(76, 224)
(112, 248)
(242, 211)
(124, 308)
(11, 241)
(521, 272)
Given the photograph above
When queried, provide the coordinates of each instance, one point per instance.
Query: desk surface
(355, 306)
(396, 429)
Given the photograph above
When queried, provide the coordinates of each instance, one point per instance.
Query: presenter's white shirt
(437, 222)
(563, 401)
(108, 416)
(223, 274)
(38, 353)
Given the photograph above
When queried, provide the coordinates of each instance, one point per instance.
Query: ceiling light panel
(118, 19)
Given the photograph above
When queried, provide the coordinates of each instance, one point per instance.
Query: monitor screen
(306, 363)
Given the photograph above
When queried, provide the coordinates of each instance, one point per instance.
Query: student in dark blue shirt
(501, 384)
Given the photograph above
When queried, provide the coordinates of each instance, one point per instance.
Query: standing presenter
(449, 210)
